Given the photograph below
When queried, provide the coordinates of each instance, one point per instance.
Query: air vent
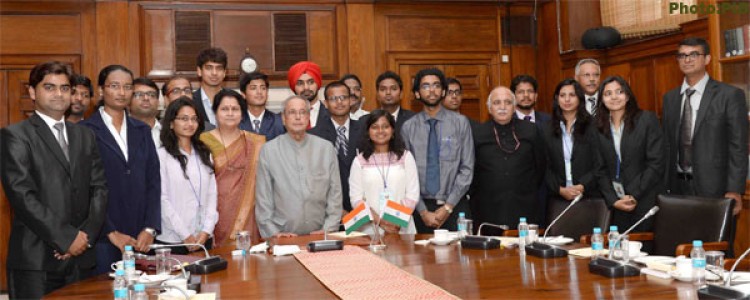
(192, 35)
(290, 40)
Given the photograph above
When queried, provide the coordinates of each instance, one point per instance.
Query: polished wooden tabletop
(466, 273)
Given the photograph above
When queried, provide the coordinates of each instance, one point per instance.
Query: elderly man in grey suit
(298, 189)
(705, 123)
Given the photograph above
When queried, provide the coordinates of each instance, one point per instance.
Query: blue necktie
(257, 126)
(432, 184)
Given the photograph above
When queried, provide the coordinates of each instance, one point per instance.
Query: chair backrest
(580, 219)
(682, 219)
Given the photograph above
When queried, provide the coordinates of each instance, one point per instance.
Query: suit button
(127, 172)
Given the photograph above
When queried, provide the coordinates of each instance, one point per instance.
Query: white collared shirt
(337, 126)
(156, 134)
(521, 115)
(395, 113)
(358, 114)
(314, 112)
(51, 124)
(591, 105)
(259, 118)
(695, 100)
(207, 106)
(120, 137)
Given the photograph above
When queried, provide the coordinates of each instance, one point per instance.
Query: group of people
(218, 162)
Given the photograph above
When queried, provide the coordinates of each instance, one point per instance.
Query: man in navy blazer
(211, 66)
(342, 131)
(57, 190)
(707, 140)
(254, 87)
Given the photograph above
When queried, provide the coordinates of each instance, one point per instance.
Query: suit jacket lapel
(708, 94)
(74, 145)
(267, 123)
(674, 110)
(45, 134)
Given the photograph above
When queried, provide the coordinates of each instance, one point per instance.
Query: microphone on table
(651, 212)
(207, 265)
(479, 231)
(142, 256)
(481, 242)
(542, 248)
(725, 291)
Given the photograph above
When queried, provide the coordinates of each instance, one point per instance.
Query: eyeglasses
(65, 88)
(117, 86)
(301, 112)
(454, 93)
(355, 89)
(186, 119)
(692, 55)
(183, 91)
(427, 86)
(139, 95)
(341, 98)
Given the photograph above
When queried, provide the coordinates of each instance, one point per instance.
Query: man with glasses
(82, 91)
(441, 143)
(355, 86)
(343, 132)
(705, 125)
(176, 87)
(211, 66)
(297, 188)
(524, 87)
(145, 106)
(588, 75)
(453, 96)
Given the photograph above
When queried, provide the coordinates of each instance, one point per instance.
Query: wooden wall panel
(361, 53)
(51, 34)
(112, 32)
(158, 52)
(322, 46)
(641, 80)
(235, 31)
(427, 33)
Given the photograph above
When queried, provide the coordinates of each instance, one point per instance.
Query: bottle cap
(119, 272)
(128, 248)
(522, 219)
(138, 287)
(461, 214)
(597, 230)
(613, 228)
(697, 243)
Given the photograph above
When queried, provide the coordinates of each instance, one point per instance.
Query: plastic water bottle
(698, 256)
(612, 236)
(461, 225)
(120, 286)
(523, 232)
(139, 292)
(128, 262)
(597, 243)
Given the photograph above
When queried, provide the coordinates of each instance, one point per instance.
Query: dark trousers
(30, 284)
(451, 223)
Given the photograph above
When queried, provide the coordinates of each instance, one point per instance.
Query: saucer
(441, 242)
(689, 277)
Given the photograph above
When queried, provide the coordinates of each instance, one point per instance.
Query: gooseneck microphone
(479, 231)
(575, 200)
(207, 265)
(651, 212)
(728, 280)
(160, 246)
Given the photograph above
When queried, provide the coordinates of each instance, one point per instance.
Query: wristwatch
(150, 231)
(448, 209)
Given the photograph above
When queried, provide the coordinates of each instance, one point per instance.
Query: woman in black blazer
(631, 147)
(570, 146)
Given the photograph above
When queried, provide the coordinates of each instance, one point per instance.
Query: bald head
(296, 114)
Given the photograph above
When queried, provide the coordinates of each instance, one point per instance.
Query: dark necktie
(61, 138)
(342, 141)
(432, 174)
(686, 133)
(257, 126)
(592, 100)
(527, 118)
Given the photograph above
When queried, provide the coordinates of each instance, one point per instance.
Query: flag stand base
(376, 241)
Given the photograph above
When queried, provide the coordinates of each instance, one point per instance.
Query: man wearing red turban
(305, 79)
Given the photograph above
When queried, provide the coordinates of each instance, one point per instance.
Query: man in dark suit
(389, 87)
(588, 74)
(53, 177)
(211, 66)
(342, 131)
(705, 125)
(524, 87)
(254, 88)
(305, 79)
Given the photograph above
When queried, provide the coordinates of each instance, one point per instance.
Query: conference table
(465, 273)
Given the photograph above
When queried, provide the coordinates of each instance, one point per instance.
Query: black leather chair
(580, 219)
(682, 219)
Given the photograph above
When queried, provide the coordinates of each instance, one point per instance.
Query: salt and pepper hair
(489, 98)
(587, 61)
(292, 97)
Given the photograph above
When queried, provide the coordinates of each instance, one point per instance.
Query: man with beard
(389, 87)
(82, 91)
(453, 96)
(145, 106)
(304, 80)
(524, 87)
(441, 143)
(355, 86)
(211, 66)
(588, 75)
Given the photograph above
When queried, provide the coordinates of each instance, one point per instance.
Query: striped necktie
(341, 141)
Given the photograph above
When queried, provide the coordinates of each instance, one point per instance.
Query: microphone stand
(612, 268)
(481, 242)
(725, 291)
(543, 249)
(207, 265)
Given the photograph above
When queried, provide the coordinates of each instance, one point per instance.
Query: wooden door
(474, 80)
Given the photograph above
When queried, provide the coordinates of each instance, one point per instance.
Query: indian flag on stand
(359, 216)
(397, 213)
